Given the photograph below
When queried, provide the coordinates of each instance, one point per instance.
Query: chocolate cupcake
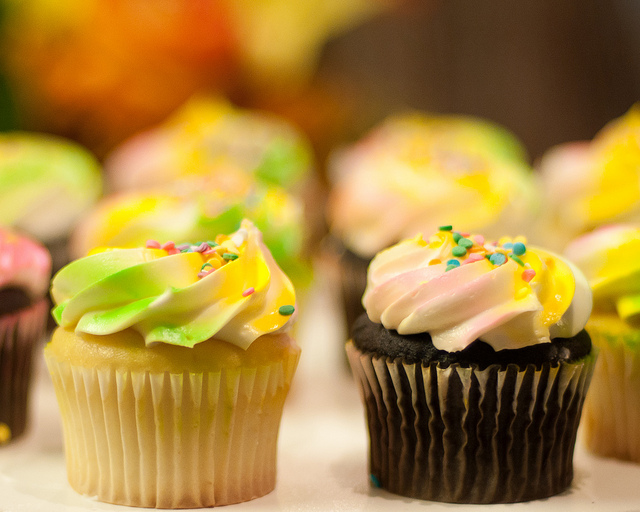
(473, 365)
(25, 268)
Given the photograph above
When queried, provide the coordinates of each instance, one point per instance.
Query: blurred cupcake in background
(587, 184)
(608, 257)
(46, 185)
(25, 269)
(196, 209)
(416, 172)
(208, 135)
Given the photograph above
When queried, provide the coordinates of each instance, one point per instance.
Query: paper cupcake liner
(19, 333)
(172, 440)
(464, 435)
(611, 424)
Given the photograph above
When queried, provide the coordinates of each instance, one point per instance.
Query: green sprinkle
(205, 266)
(456, 237)
(466, 243)
(516, 259)
(286, 310)
(229, 256)
(453, 262)
(519, 249)
(459, 251)
(445, 228)
(450, 267)
(497, 258)
(212, 244)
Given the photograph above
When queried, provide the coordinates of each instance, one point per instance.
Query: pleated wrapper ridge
(19, 333)
(167, 440)
(611, 424)
(469, 435)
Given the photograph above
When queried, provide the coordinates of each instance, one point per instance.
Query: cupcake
(196, 209)
(588, 184)
(209, 137)
(473, 365)
(25, 269)
(415, 172)
(608, 257)
(171, 368)
(46, 185)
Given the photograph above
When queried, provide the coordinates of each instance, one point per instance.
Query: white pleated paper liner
(464, 435)
(19, 333)
(612, 409)
(172, 440)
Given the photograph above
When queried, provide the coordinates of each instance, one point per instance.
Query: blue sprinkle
(455, 263)
(519, 249)
(508, 245)
(497, 258)
(374, 481)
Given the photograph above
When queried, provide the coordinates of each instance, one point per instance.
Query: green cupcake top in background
(46, 183)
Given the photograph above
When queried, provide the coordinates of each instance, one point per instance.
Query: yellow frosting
(608, 257)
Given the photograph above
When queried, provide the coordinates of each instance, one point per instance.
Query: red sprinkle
(172, 251)
(248, 291)
(153, 244)
(528, 274)
(210, 251)
(479, 239)
(205, 273)
(167, 246)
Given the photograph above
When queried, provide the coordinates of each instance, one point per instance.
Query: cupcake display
(608, 257)
(588, 184)
(473, 365)
(197, 209)
(46, 185)
(25, 269)
(171, 367)
(415, 172)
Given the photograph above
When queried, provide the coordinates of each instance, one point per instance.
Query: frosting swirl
(46, 183)
(230, 289)
(593, 183)
(609, 259)
(458, 288)
(419, 170)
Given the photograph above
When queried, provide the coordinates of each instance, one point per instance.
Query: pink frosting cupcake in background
(587, 184)
(415, 172)
(25, 270)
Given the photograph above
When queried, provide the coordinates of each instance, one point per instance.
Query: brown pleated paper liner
(172, 440)
(611, 424)
(19, 333)
(464, 435)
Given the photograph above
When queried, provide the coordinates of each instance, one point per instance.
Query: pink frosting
(24, 263)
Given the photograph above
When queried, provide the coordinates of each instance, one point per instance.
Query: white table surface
(322, 463)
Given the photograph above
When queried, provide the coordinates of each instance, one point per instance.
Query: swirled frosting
(608, 256)
(209, 136)
(415, 172)
(46, 183)
(593, 183)
(459, 288)
(230, 289)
